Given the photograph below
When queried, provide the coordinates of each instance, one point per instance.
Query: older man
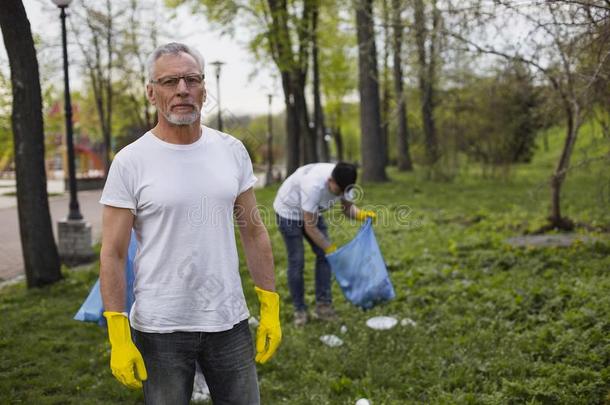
(180, 186)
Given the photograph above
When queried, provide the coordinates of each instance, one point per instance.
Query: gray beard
(181, 119)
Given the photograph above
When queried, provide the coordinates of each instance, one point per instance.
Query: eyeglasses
(171, 82)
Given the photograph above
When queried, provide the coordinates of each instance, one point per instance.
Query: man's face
(180, 104)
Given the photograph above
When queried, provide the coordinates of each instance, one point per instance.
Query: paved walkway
(11, 265)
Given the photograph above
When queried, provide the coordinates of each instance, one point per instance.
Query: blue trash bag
(91, 310)
(360, 270)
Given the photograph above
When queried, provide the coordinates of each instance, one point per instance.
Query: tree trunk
(108, 126)
(317, 99)
(404, 162)
(368, 85)
(385, 85)
(269, 178)
(292, 146)
(293, 71)
(338, 142)
(557, 221)
(42, 265)
(426, 58)
(307, 131)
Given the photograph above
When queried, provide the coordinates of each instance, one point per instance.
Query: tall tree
(42, 265)
(292, 63)
(561, 36)
(404, 162)
(323, 153)
(139, 38)
(95, 34)
(281, 32)
(385, 82)
(426, 40)
(371, 140)
(337, 67)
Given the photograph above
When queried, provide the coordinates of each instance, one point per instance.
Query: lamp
(73, 233)
(218, 64)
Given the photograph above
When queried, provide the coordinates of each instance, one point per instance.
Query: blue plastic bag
(360, 270)
(92, 309)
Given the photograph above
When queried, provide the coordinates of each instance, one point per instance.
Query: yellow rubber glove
(364, 214)
(269, 333)
(330, 249)
(125, 359)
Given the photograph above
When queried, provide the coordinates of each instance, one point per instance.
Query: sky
(242, 91)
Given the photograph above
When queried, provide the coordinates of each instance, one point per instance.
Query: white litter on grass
(253, 322)
(331, 340)
(408, 322)
(381, 322)
(363, 401)
(343, 329)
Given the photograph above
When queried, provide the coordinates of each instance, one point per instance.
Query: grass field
(493, 324)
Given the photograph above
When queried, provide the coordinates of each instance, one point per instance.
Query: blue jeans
(226, 359)
(293, 232)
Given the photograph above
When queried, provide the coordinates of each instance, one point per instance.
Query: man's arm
(116, 232)
(259, 257)
(351, 211)
(311, 229)
(255, 240)
(126, 362)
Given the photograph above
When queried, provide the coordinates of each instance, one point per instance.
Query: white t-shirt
(306, 190)
(182, 196)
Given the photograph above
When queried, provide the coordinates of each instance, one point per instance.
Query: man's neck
(178, 134)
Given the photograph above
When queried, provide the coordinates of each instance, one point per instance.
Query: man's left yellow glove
(362, 215)
(269, 333)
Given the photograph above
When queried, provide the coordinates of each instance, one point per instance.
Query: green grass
(494, 324)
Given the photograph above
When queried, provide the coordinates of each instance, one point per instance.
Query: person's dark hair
(344, 174)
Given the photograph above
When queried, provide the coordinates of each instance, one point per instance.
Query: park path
(11, 258)
(11, 262)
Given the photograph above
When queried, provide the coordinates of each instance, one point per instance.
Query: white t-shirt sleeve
(117, 190)
(310, 197)
(246, 174)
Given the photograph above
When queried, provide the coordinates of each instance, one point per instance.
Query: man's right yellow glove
(362, 215)
(126, 361)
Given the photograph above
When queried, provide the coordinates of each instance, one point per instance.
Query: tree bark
(427, 66)
(293, 146)
(557, 221)
(293, 68)
(42, 265)
(310, 154)
(368, 84)
(100, 70)
(317, 99)
(338, 142)
(404, 161)
(385, 85)
(108, 126)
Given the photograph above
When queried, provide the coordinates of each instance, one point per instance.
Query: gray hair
(172, 48)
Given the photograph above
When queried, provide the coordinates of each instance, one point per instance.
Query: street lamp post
(74, 213)
(218, 65)
(73, 233)
(269, 175)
